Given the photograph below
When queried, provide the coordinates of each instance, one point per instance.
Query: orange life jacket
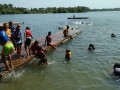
(28, 33)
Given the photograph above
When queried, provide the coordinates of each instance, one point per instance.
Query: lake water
(87, 70)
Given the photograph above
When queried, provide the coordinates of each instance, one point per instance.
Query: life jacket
(28, 33)
(3, 37)
(18, 36)
(68, 55)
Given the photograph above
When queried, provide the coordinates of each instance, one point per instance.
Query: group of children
(11, 40)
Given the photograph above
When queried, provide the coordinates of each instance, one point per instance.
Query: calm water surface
(87, 70)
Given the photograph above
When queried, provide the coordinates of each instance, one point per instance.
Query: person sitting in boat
(116, 69)
(27, 39)
(112, 35)
(68, 55)
(73, 16)
(49, 42)
(41, 55)
(91, 47)
(33, 46)
(7, 49)
(66, 32)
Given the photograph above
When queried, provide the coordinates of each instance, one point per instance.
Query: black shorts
(48, 44)
(28, 42)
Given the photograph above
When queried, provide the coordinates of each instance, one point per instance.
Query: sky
(93, 4)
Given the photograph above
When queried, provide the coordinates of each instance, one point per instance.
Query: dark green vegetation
(10, 9)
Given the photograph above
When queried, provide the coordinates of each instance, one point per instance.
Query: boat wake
(14, 75)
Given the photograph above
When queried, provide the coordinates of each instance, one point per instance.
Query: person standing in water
(27, 39)
(91, 47)
(68, 55)
(7, 49)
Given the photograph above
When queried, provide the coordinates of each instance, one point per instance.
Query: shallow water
(87, 70)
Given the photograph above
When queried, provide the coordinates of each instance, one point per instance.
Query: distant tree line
(10, 9)
(106, 9)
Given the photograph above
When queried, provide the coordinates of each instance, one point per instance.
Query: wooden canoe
(57, 38)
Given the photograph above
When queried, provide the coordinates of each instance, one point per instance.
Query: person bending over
(41, 55)
(33, 47)
(7, 49)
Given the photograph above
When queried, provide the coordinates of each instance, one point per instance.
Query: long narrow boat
(58, 38)
(77, 18)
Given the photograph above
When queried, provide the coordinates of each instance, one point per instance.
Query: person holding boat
(49, 42)
(33, 46)
(27, 39)
(7, 49)
(41, 55)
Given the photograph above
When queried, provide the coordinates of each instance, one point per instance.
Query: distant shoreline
(10, 9)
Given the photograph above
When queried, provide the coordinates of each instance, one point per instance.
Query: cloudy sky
(64, 3)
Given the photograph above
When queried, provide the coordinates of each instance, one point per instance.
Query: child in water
(116, 69)
(68, 55)
(91, 47)
(41, 55)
